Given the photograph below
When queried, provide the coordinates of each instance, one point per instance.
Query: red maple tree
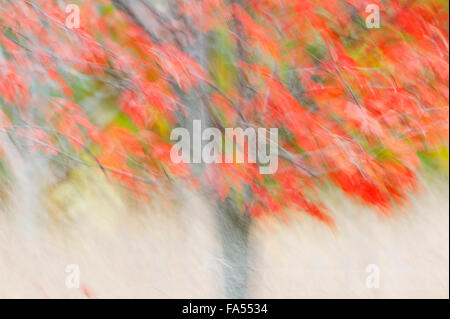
(355, 106)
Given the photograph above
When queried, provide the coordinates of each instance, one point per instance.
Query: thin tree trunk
(233, 227)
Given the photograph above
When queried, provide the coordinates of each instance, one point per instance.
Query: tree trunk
(233, 227)
(232, 224)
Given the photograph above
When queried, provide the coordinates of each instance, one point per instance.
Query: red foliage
(356, 105)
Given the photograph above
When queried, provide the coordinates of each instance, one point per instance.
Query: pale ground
(174, 253)
(411, 251)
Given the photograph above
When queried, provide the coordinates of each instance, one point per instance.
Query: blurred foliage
(364, 109)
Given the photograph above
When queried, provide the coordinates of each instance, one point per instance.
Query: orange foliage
(355, 105)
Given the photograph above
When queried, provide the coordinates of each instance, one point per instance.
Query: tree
(356, 108)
